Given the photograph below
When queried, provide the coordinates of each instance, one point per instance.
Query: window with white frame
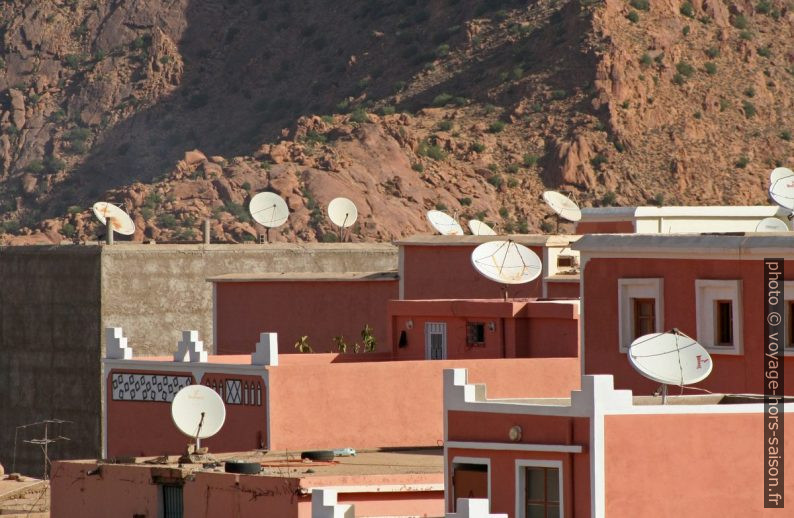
(719, 315)
(641, 310)
(539, 491)
(470, 478)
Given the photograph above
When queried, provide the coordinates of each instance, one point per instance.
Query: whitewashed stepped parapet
(190, 348)
(473, 508)
(324, 505)
(116, 344)
(266, 350)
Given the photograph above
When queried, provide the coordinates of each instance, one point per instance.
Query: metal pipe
(109, 230)
(207, 231)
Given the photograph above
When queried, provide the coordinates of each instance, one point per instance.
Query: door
(436, 341)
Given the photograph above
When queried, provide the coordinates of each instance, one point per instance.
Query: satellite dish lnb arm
(198, 432)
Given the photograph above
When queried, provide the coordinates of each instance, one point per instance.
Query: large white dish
(562, 205)
(269, 209)
(188, 406)
(444, 224)
(122, 223)
(342, 212)
(478, 228)
(506, 262)
(771, 225)
(781, 187)
(670, 358)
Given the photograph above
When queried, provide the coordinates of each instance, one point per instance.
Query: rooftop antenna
(198, 412)
(478, 228)
(771, 225)
(342, 213)
(781, 189)
(120, 221)
(444, 224)
(506, 262)
(670, 358)
(563, 207)
(269, 210)
(43, 443)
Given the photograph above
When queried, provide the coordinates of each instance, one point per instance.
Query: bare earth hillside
(181, 110)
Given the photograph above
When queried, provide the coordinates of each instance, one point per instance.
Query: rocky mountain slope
(181, 110)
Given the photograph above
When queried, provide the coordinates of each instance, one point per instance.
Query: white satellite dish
(670, 358)
(269, 210)
(563, 206)
(771, 225)
(506, 262)
(122, 223)
(478, 228)
(342, 213)
(198, 411)
(444, 223)
(781, 188)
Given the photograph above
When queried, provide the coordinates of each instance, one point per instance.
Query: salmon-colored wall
(562, 290)
(731, 373)
(604, 227)
(319, 310)
(446, 272)
(554, 430)
(367, 405)
(713, 465)
(145, 428)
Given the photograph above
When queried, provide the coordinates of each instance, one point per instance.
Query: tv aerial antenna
(670, 358)
(198, 412)
(269, 210)
(781, 189)
(120, 220)
(43, 442)
(563, 207)
(444, 224)
(478, 228)
(342, 213)
(772, 225)
(506, 262)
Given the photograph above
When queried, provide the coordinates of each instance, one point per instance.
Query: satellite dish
(444, 223)
(478, 228)
(670, 358)
(342, 213)
(269, 210)
(563, 206)
(781, 188)
(122, 223)
(506, 262)
(198, 411)
(771, 225)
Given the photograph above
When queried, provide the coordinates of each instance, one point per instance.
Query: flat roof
(366, 463)
(469, 240)
(707, 211)
(388, 275)
(732, 244)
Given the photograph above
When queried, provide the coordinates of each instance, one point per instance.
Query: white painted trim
(707, 291)
(379, 488)
(520, 480)
(471, 460)
(632, 288)
(513, 446)
(401, 272)
(154, 365)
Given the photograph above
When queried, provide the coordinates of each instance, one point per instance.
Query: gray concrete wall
(49, 350)
(56, 301)
(155, 291)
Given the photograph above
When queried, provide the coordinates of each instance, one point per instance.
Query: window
(640, 309)
(172, 501)
(790, 326)
(566, 261)
(475, 333)
(719, 317)
(540, 486)
(470, 479)
(788, 316)
(644, 314)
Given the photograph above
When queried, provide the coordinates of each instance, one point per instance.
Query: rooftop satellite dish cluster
(266, 208)
(781, 190)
